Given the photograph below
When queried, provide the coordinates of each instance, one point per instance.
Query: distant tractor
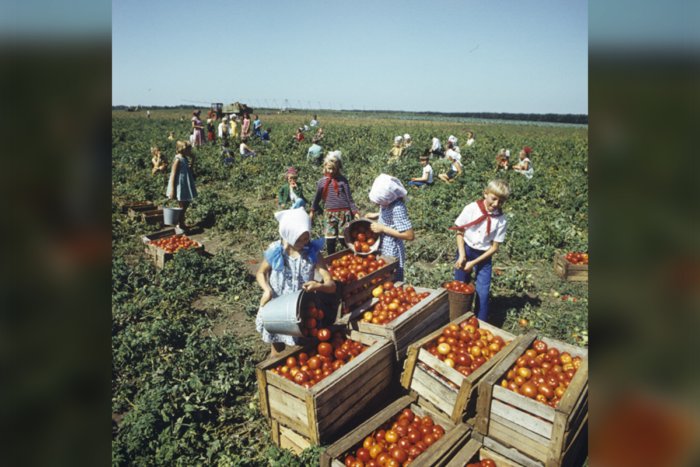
(236, 109)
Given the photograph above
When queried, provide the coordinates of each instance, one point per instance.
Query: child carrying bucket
(288, 266)
(481, 228)
(181, 183)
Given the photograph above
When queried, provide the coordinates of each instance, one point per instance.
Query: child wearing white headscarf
(397, 149)
(289, 265)
(394, 224)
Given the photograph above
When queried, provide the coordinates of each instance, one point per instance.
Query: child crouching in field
(394, 224)
(426, 178)
(288, 266)
(481, 228)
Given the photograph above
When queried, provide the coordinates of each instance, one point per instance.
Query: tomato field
(184, 344)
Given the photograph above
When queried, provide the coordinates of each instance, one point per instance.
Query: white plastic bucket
(282, 315)
(171, 216)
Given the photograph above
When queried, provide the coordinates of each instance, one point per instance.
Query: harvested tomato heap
(459, 287)
(465, 347)
(393, 301)
(396, 443)
(542, 373)
(483, 463)
(577, 257)
(174, 243)
(308, 369)
(350, 267)
(363, 238)
(313, 319)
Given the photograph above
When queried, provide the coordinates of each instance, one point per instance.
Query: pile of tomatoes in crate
(459, 287)
(349, 268)
(363, 238)
(332, 352)
(396, 443)
(393, 302)
(465, 346)
(482, 463)
(174, 243)
(542, 373)
(577, 257)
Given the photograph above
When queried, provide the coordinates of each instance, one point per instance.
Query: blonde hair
(499, 188)
(155, 151)
(181, 146)
(335, 164)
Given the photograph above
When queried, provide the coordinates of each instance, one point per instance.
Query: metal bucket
(282, 315)
(171, 216)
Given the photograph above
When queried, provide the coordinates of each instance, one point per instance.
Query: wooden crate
(570, 271)
(449, 390)
(422, 318)
(538, 431)
(327, 408)
(508, 456)
(152, 217)
(158, 255)
(438, 454)
(286, 438)
(360, 291)
(136, 206)
(475, 451)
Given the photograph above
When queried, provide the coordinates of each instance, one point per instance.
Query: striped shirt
(334, 201)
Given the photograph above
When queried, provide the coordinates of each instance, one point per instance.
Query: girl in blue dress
(289, 265)
(181, 183)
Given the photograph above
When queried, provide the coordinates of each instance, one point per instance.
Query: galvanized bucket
(171, 216)
(282, 315)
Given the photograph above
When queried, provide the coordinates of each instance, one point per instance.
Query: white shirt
(475, 236)
(470, 141)
(313, 122)
(428, 171)
(436, 145)
(292, 195)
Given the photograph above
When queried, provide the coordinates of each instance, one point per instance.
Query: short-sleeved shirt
(475, 236)
(428, 171)
(395, 215)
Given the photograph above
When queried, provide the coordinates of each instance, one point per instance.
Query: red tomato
(324, 334)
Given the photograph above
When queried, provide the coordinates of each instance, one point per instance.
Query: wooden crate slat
(435, 363)
(570, 397)
(518, 440)
(523, 403)
(468, 452)
(519, 428)
(285, 385)
(500, 460)
(510, 453)
(288, 410)
(534, 424)
(436, 392)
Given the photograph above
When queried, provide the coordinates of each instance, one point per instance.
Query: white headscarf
(397, 139)
(452, 139)
(453, 154)
(507, 152)
(406, 136)
(293, 223)
(386, 189)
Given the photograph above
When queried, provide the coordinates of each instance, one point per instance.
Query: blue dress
(395, 215)
(184, 182)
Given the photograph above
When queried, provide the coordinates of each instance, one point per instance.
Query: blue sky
(438, 55)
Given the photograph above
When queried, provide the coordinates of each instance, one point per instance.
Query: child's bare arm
(171, 182)
(486, 255)
(405, 235)
(328, 284)
(372, 215)
(462, 254)
(262, 277)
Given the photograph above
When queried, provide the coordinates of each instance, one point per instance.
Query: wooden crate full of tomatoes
(447, 366)
(402, 313)
(356, 275)
(320, 389)
(162, 246)
(572, 266)
(536, 400)
(404, 432)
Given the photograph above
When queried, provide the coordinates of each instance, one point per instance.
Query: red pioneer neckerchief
(485, 216)
(329, 179)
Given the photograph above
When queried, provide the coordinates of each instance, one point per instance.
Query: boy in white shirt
(427, 177)
(481, 228)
